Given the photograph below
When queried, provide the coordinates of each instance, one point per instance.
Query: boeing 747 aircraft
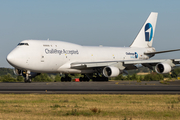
(32, 57)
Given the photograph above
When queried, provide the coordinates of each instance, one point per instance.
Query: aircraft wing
(81, 65)
(126, 64)
(152, 61)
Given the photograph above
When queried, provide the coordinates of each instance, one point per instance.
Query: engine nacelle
(111, 71)
(163, 68)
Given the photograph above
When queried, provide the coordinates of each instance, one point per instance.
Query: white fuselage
(57, 56)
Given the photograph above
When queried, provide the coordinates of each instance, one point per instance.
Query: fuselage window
(23, 44)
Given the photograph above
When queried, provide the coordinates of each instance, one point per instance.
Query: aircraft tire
(106, 79)
(69, 79)
(86, 79)
(62, 79)
(29, 80)
(93, 79)
(80, 79)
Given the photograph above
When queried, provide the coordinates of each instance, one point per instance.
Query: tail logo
(148, 32)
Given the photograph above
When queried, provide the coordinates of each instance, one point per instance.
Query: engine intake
(111, 71)
(162, 68)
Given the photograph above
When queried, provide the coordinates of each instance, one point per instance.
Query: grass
(164, 82)
(90, 106)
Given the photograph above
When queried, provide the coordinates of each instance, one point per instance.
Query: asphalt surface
(111, 87)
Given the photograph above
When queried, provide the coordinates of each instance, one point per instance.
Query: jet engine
(111, 71)
(163, 68)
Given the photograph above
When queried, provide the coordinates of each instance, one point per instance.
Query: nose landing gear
(27, 78)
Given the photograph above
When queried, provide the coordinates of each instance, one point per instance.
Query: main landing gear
(86, 78)
(100, 79)
(66, 78)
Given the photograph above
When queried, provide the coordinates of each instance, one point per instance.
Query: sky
(88, 22)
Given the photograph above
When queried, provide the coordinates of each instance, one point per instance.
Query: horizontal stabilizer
(153, 53)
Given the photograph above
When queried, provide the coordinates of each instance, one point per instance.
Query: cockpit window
(23, 44)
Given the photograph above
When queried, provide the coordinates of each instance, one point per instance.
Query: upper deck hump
(47, 42)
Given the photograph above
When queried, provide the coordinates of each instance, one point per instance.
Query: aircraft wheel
(87, 80)
(29, 80)
(25, 81)
(105, 79)
(69, 79)
(80, 79)
(62, 79)
(93, 79)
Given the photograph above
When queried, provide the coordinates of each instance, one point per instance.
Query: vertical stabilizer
(146, 34)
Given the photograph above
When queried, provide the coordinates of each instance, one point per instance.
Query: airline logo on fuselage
(60, 52)
(148, 32)
(132, 55)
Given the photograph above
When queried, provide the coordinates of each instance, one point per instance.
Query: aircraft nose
(13, 58)
(17, 58)
(10, 58)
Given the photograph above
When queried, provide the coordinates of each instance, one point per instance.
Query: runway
(111, 87)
